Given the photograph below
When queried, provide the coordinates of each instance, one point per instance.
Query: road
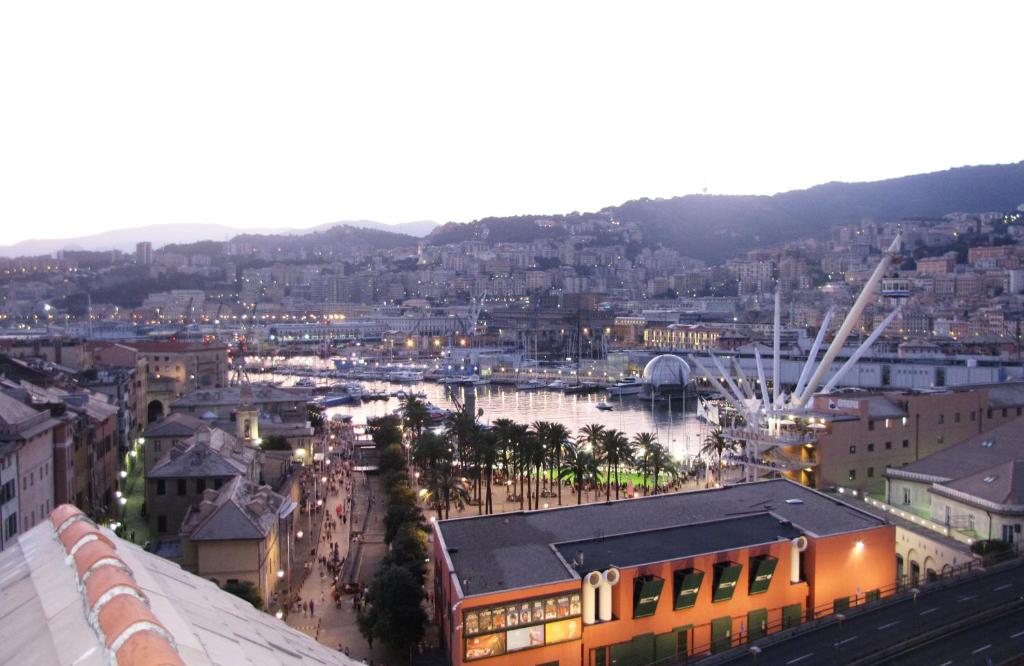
(998, 640)
(864, 632)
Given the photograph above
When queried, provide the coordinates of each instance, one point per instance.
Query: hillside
(713, 227)
(165, 234)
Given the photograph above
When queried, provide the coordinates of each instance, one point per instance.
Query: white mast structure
(763, 414)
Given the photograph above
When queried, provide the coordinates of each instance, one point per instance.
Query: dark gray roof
(1002, 484)
(1010, 394)
(233, 396)
(174, 425)
(239, 510)
(673, 543)
(512, 550)
(994, 447)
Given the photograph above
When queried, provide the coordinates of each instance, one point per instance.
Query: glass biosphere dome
(666, 370)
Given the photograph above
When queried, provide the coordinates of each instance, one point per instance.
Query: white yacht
(628, 386)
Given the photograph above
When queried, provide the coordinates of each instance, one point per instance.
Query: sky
(123, 114)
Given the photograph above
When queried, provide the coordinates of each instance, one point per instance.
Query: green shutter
(646, 593)
(792, 616)
(841, 604)
(721, 634)
(726, 576)
(687, 586)
(762, 568)
(872, 595)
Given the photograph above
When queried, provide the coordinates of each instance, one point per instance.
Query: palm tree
(591, 435)
(644, 443)
(414, 415)
(617, 451)
(581, 466)
(487, 451)
(715, 443)
(558, 435)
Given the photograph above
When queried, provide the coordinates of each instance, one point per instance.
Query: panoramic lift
(767, 413)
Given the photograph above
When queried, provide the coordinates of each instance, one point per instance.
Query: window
(906, 496)
(956, 417)
(217, 483)
(871, 425)
(972, 415)
(161, 523)
(906, 443)
(1018, 411)
(942, 419)
(853, 475)
(942, 440)
(181, 487)
(989, 414)
(161, 487)
(853, 448)
(200, 486)
(970, 521)
(871, 472)
(1004, 412)
(871, 446)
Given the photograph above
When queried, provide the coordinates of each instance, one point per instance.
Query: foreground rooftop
(77, 594)
(511, 550)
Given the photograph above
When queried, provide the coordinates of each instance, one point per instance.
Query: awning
(762, 568)
(646, 593)
(687, 584)
(726, 576)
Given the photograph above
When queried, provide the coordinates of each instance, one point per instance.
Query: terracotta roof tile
(118, 608)
(78, 530)
(63, 513)
(146, 648)
(93, 553)
(123, 612)
(110, 579)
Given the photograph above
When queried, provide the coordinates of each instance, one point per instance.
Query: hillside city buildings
(134, 388)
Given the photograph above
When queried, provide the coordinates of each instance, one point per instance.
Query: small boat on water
(559, 385)
(305, 382)
(604, 407)
(532, 385)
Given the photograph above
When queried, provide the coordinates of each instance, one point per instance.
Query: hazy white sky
(116, 114)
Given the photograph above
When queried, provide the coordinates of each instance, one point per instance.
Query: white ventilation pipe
(798, 545)
(609, 579)
(590, 584)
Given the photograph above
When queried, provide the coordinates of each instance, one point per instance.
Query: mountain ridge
(124, 239)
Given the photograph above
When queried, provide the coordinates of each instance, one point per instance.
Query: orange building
(634, 581)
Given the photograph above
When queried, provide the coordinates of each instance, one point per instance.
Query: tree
(394, 612)
(402, 510)
(715, 443)
(244, 589)
(558, 435)
(581, 466)
(392, 459)
(276, 443)
(617, 451)
(315, 414)
(415, 416)
(384, 430)
(409, 550)
(645, 444)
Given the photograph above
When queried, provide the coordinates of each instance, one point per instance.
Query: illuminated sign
(494, 630)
